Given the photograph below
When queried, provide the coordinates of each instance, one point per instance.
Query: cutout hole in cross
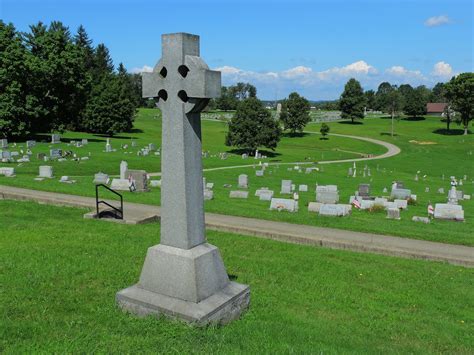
(183, 70)
(163, 72)
(183, 96)
(162, 94)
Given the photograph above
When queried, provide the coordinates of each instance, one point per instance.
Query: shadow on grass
(294, 135)
(451, 132)
(414, 119)
(232, 277)
(350, 122)
(388, 134)
(323, 138)
(240, 151)
(40, 137)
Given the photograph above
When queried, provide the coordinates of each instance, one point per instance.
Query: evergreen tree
(352, 101)
(253, 126)
(102, 63)
(13, 87)
(295, 113)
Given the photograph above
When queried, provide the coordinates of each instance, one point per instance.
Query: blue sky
(312, 47)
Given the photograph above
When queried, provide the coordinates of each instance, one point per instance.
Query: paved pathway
(392, 150)
(292, 233)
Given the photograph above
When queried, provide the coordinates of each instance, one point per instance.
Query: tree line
(51, 80)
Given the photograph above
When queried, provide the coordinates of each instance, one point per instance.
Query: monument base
(222, 307)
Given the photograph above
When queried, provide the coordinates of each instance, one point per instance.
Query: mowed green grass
(59, 275)
(449, 156)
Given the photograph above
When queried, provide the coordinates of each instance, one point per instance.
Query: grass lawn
(59, 275)
(446, 154)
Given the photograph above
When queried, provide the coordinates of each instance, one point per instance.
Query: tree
(438, 93)
(13, 85)
(227, 101)
(460, 92)
(405, 91)
(389, 100)
(415, 104)
(109, 109)
(295, 113)
(253, 126)
(370, 99)
(324, 130)
(352, 101)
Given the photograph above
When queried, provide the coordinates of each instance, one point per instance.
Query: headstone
(121, 184)
(151, 147)
(123, 169)
(385, 190)
(284, 204)
(259, 172)
(55, 139)
(467, 197)
(399, 193)
(421, 219)
(366, 204)
(441, 190)
(243, 181)
(155, 183)
(349, 172)
(314, 207)
(449, 211)
(5, 155)
(303, 188)
(402, 204)
(84, 141)
(55, 153)
(335, 210)
(266, 195)
(108, 146)
(45, 171)
(453, 196)
(9, 172)
(209, 185)
(327, 194)
(286, 187)
(427, 189)
(239, 194)
(245, 156)
(183, 276)
(138, 180)
(101, 178)
(380, 201)
(393, 213)
(364, 190)
(3, 143)
(30, 144)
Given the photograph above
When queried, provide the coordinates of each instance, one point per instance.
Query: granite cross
(183, 84)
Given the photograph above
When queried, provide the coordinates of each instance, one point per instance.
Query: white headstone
(243, 181)
(123, 169)
(284, 204)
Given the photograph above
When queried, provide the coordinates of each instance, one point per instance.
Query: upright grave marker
(183, 276)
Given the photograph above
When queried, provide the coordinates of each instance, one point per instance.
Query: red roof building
(435, 108)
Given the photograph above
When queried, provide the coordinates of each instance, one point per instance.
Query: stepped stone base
(222, 307)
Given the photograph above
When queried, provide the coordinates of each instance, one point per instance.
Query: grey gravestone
(101, 178)
(7, 171)
(243, 181)
(108, 146)
(55, 153)
(259, 172)
(208, 194)
(421, 219)
(366, 204)
(3, 143)
(138, 180)
(393, 213)
(155, 183)
(327, 194)
(45, 171)
(120, 184)
(5, 154)
(123, 169)
(55, 138)
(399, 193)
(441, 190)
(266, 195)
(303, 188)
(286, 187)
(334, 210)
(84, 141)
(364, 190)
(183, 276)
(448, 211)
(30, 144)
(314, 207)
(239, 194)
(284, 204)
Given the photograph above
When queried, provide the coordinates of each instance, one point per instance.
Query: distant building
(435, 108)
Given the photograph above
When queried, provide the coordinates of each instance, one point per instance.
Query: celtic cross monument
(183, 276)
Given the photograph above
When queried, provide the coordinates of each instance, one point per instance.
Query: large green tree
(253, 126)
(352, 101)
(460, 93)
(438, 93)
(295, 113)
(13, 116)
(389, 100)
(415, 104)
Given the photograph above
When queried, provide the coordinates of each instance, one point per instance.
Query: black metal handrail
(97, 202)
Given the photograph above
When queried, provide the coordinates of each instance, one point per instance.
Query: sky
(312, 47)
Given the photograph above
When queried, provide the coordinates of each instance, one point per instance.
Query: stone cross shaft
(183, 84)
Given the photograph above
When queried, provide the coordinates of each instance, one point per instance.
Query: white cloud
(298, 71)
(437, 21)
(402, 72)
(442, 69)
(359, 68)
(225, 70)
(144, 69)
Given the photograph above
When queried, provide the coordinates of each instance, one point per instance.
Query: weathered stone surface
(286, 187)
(6, 171)
(366, 204)
(138, 180)
(259, 172)
(303, 188)
(120, 184)
(101, 178)
(284, 204)
(402, 204)
(183, 276)
(421, 219)
(123, 169)
(243, 181)
(364, 190)
(314, 207)
(399, 193)
(208, 194)
(46, 171)
(335, 210)
(449, 211)
(239, 194)
(55, 138)
(393, 213)
(266, 195)
(327, 196)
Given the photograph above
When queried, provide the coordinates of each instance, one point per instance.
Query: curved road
(392, 150)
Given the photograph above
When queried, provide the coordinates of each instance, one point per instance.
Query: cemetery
(234, 230)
